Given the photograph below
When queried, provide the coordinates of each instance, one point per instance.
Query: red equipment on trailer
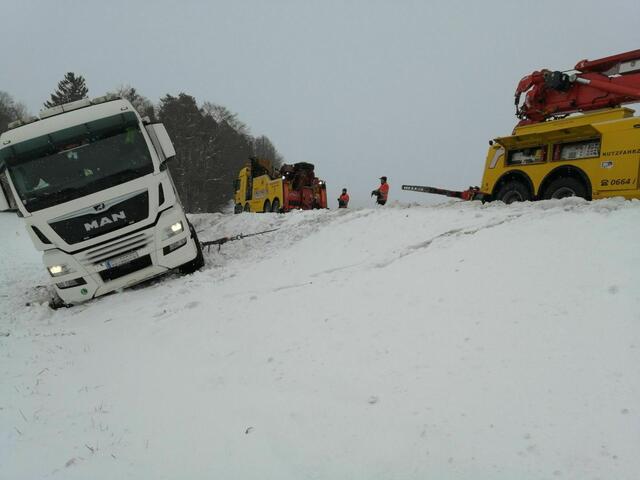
(302, 189)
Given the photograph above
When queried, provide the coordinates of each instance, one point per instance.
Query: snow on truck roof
(50, 120)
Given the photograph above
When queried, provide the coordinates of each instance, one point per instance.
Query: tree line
(211, 142)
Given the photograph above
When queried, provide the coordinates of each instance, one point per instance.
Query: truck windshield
(77, 161)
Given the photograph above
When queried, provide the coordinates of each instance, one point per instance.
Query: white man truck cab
(90, 179)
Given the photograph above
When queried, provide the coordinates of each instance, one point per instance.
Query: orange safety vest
(384, 191)
(343, 200)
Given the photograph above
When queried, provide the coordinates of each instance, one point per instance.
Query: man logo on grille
(106, 220)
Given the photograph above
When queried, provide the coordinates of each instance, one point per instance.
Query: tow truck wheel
(275, 206)
(247, 207)
(237, 208)
(267, 206)
(513, 191)
(198, 262)
(565, 187)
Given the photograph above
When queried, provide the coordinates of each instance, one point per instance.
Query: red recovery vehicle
(605, 83)
(301, 188)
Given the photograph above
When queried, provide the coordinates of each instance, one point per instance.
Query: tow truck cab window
(576, 150)
(527, 155)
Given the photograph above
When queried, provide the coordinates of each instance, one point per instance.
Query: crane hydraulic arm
(593, 84)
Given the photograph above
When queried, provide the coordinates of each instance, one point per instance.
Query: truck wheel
(247, 208)
(237, 208)
(275, 206)
(198, 262)
(565, 187)
(513, 191)
(56, 302)
(267, 206)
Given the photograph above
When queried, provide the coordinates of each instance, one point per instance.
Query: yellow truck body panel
(600, 149)
(256, 194)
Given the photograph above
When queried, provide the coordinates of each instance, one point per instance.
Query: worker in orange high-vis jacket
(382, 192)
(343, 200)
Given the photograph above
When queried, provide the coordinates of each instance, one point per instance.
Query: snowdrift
(459, 341)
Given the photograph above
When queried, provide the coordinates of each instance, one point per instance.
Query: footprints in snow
(187, 306)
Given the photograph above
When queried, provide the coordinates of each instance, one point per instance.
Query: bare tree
(10, 110)
(263, 148)
(222, 114)
(142, 104)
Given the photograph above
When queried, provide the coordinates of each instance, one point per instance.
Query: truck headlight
(174, 229)
(58, 270)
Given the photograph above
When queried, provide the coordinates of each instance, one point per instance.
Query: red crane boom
(593, 84)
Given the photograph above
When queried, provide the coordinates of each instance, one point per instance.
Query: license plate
(121, 260)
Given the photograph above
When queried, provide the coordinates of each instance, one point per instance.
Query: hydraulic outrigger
(472, 193)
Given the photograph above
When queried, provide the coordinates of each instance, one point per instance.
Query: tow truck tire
(267, 206)
(247, 207)
(237, 208)
(565, 187)
(198, 262)
(513, 191)
(275, 206)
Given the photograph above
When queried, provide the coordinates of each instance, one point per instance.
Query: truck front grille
(136, 241)
(102, 218)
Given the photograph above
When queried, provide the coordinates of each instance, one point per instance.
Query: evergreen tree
(183, 120)
(209, 151)
(70, 89)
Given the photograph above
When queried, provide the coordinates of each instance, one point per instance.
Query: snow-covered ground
(459, 341)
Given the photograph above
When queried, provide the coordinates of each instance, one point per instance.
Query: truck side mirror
(161, 141)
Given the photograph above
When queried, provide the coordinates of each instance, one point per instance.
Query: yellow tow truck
(261, 188)
(553, 155)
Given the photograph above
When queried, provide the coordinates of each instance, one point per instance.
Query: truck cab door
(618, 163)
(249, 189)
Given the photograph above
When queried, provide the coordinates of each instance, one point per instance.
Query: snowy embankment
(462, 341)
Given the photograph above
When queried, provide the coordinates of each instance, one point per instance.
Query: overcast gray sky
(408, 89)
